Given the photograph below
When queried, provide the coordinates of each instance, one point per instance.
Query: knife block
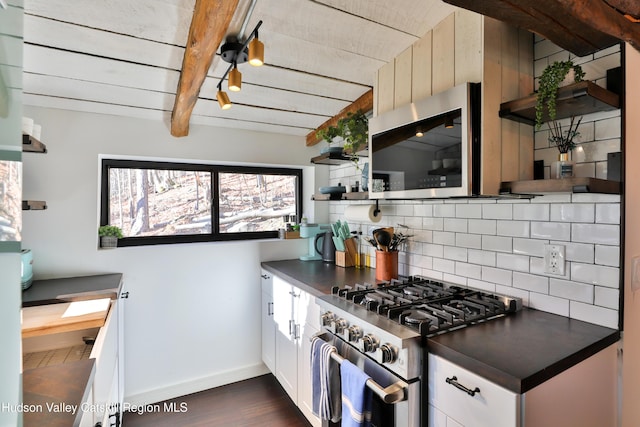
(349, 256)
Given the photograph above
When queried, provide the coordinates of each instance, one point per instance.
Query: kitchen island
(519, 352)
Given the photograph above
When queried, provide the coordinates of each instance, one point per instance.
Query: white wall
(193, 316)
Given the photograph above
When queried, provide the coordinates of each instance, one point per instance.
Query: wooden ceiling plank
(211, 19)
(364, 103)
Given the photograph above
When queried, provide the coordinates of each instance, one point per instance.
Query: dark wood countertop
(68, 289)
(524, 349)
(318, 277)
(59, 385)
(517, 352)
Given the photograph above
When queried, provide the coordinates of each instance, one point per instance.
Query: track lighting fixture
(236, 52)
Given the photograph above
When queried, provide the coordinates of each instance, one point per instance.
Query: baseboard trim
(194, 386)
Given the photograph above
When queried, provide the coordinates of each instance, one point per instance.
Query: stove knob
(386, 353)
(352, 334)
(338, 326)
(368, 343)
(327, 318)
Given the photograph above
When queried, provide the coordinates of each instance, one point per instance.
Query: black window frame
(214, 169)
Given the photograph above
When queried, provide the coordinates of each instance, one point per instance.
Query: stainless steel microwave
(429, 148)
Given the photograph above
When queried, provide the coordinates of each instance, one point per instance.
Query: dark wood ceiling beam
(630, 7)
(209, 26)
(579, 26)
(364, 103)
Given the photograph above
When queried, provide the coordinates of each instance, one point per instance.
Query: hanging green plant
(354, 130)
(548, 85)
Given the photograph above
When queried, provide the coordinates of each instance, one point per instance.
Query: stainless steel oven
(388, 324)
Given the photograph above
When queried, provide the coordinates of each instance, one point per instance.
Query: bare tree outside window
(255, 202)
(151, 202)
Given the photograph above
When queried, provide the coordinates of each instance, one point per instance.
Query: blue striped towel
(356, 396)
(325, 381)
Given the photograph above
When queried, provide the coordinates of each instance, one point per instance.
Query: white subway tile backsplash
(444, 238)
(607, 297)
(551, 230)
(512, 262)
(404, 210)
(580, 252)
(608, 213)
(537, 212)
(571, 290)
(473, 241)
(594, 314)
(469, 211)
(468, 270)
(549, 303)
(536, 266)
(497, 275)
(497, 211)
(444, 265)
(423, 210)
(455, 253)
(513, 228)
(575, 212)
(482, 257)
(596, 274)
(433, 223)
(422, 261)
(531, 282)
(529, 247)
(596, 233)
(595, 198)
(482, 226)
(608, 255)
(413, 222)
(443, 210)
(455, 224)
(514, 292)
(552, 198)
(497, 243)
(433, 250)
(609, 128)
(432, 274)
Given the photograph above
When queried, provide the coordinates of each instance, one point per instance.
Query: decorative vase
(563, 168)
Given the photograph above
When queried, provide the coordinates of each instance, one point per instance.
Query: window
(161, 202)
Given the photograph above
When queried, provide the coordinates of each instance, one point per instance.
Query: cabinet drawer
(491, 406)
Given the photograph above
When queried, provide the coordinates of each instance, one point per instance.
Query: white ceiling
(123, 57)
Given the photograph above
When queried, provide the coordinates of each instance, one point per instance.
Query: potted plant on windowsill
(109, 235)
(548, 85)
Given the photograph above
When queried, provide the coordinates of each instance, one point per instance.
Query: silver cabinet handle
(269, 309)
(296, 331)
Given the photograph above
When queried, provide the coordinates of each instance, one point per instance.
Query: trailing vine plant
(354, 130)
(548, 85)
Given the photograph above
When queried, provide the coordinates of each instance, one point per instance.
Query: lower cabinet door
(287, 364)
(490, 405)
(268, 333)
(305, 391)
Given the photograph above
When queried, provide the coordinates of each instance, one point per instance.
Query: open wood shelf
(33, 205)
(359, 195)
(32, 145)
(335, 158)
(573, 100)
(570, 185)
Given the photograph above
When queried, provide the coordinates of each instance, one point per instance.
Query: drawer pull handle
(454, 382)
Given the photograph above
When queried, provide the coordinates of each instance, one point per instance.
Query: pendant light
(235, 79)
(256, 52)
(223, 99)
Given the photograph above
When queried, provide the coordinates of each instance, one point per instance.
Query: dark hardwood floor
(257, 401)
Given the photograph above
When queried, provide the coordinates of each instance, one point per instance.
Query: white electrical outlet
(554, 259)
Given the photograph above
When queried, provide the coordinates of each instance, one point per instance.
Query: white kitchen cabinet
(268, 322)
(492, 406)
(583, 395)
(295, 319)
